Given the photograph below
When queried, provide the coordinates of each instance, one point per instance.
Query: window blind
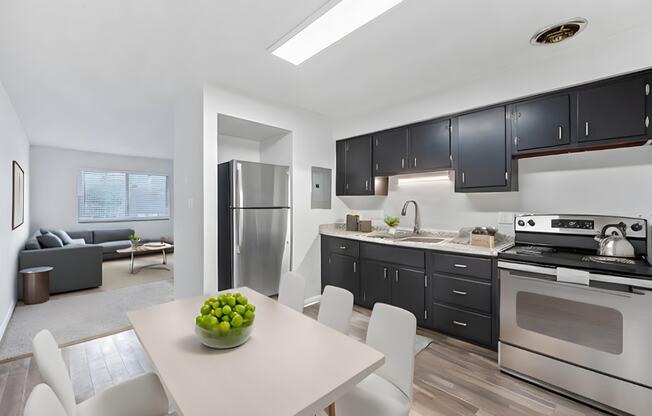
(122, 196)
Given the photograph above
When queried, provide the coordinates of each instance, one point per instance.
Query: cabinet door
(612, 111)
(541, 123)
(482, 149)
(358, 167)
(340, 167)
(429, 146)
(408, 291)
(344, 272)
(390, 152)
(375, 284)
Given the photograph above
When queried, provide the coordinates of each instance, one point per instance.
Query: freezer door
(261, 248)
(257, 185)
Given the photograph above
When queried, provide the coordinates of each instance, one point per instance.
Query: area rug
(77, 318)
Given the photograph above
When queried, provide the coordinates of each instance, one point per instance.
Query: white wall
(311, 145)
(15, 146)
(277, 150)
(601, 182)
(229, 148)
(55, 175)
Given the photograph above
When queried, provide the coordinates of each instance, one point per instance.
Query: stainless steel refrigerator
(254, 242)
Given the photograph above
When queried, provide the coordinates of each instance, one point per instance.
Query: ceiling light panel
(331, 26)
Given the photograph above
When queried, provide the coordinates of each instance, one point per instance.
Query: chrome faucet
(417, 226)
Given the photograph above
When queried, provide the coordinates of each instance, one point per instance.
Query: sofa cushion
(112, 246)
(78, 241)
(32, 243)
(49, 240)
(63, 236)
(102, 236)
(86, 235)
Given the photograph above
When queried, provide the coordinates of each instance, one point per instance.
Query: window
(122, 196)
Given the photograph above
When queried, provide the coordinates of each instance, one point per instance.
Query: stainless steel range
(573, 316)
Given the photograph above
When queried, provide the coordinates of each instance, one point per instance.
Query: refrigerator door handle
(238, 232)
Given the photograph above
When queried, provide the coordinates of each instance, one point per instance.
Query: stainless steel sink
(417, 239)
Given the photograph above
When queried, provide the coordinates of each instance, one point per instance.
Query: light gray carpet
(421, 343)
(80, 317)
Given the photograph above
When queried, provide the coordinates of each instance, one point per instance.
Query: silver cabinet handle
(415, 162)
(460, 266)
(384, 272)
(396, 276)
(376, 166)
(402, 163)
(515, 141)
(463, 177)
(560, 132)
(459, 292)
(354, 267)
(342, 247)
(366, 185)
(458, 323)
(586, 128)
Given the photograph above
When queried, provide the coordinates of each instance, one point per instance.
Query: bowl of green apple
(225, 321)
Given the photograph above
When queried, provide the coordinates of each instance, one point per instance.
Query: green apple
(205, 310)
(242, 300)
(224, 326)
(250, 315)
(240, 309)
(217, 312)
(236, 321)
(226, 310)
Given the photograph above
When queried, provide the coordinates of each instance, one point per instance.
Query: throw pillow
(63, 236)
(32, 244)
(49, 240)
(78, 241)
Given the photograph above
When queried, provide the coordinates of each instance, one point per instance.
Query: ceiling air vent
(558, 32)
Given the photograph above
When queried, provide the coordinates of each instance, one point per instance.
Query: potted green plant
(134, 240)
(392, 223)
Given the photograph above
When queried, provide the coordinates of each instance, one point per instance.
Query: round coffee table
(36, 284)
(142, 248)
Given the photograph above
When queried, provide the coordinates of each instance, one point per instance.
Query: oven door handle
(551, 271)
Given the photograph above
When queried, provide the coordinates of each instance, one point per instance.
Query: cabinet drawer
(343, 246)
(391, 254)
(462, 292)
(469, 325)
(462, 265)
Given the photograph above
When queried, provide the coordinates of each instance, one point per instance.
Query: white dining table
(291, 365)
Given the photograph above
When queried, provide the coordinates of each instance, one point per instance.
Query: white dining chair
(388, 391)
(140, 396)
(43, 402)
(291, 291)
(336, 308)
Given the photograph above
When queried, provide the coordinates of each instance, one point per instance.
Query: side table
(36, 284)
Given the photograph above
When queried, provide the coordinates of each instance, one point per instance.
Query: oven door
(604, 327)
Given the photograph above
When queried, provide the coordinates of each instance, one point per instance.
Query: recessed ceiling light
(559, 32)
(330, 24)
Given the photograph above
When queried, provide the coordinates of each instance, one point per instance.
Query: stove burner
(608, 260)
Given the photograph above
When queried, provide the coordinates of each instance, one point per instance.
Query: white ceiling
(103, 75)
(246, 129)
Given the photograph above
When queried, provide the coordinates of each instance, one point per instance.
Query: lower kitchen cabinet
(450, 293)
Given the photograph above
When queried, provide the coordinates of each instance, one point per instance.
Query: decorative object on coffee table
(18, 196)
(36, 284)
(158, 246)
(134, 240)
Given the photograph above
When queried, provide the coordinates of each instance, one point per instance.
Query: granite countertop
(451, 241)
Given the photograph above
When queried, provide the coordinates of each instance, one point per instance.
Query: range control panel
(579, 224)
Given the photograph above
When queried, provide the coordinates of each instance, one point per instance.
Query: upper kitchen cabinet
(613, 110)
(354, 174)
(484, 162)
(541, 124)
(430, 146)
(390, 152)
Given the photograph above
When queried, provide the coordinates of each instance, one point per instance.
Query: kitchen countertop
(451, 241)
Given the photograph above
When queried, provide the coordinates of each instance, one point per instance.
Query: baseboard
(312, 300)
(5, 321)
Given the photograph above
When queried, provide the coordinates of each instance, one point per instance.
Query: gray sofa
(76, 266)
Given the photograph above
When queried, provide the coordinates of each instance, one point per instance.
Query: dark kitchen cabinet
(354, 174)
(430, 146)
(542, 124)
(375, 284)
(390, 152)
(408, 291)
(613, 110)
(483, 155)
(343, 271)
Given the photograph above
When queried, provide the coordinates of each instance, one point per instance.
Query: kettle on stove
(612, 241)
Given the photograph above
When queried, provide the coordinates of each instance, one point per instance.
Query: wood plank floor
(452, 377)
